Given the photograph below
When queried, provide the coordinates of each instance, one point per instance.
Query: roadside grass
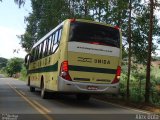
(23, 78)
(23, 74)
(4, 73)
(137, 84)
(155, 71)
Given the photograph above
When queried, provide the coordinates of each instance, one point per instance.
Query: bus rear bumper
(79, 87)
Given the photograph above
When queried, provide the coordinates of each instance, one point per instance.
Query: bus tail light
(64, 71)
(116, 27)
(72, 20)
(117, 77)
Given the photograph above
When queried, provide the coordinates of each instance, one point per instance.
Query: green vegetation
(13, 67)
(137, 83)
(3, 62)
(23, 73)
(156, 58)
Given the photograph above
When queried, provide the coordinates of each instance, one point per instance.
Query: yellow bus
(79, 56)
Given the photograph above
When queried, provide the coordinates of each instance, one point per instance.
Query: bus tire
(83, 96)
(43, 92)
(28, 84)
(32, 89)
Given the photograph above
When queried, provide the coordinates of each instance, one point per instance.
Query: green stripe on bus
(50, 68)
(92, 69)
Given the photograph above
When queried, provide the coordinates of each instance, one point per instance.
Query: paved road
(16, 102)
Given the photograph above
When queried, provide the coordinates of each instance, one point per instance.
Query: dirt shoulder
(142, 106)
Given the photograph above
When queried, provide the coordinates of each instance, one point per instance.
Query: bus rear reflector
(117, 76)
(64, 71)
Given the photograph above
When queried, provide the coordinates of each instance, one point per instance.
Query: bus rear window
(94, 34)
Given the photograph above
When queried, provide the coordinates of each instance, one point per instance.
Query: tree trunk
(73, 6)
(69, 6)
(129, 51)
(140, 86)
(147, 89)
(85, 8)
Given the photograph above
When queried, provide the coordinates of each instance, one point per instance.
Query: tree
(3, 62)
(14, 66)
(147, 89)
(140, 36)
(129, 48)
(19, 2)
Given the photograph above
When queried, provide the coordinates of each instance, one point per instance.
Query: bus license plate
(92, 87)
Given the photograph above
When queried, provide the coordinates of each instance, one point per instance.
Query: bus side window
(56, 37)
(52, 43)
(39, 51)
(55, 42)
(49, 44)
(32, 55)
(36, 53)
(59, 36)
(44, 46)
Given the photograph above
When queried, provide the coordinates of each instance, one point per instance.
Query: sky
(11, 25)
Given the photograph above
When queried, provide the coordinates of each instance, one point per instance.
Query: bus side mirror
(27, 60)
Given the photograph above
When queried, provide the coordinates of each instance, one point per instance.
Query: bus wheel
(28, 81)
(43, 92)
(32, 89)
(83, 96)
